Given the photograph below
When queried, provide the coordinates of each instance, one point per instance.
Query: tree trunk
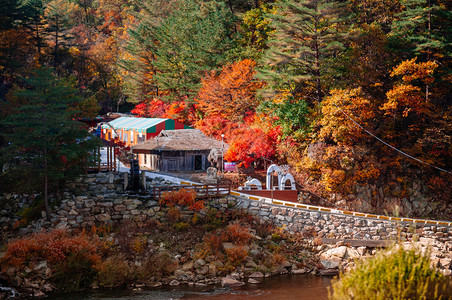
(55, 59)
(46, 200)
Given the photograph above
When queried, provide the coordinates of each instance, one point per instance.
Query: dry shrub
(237, 234)
(72, 257)
(114, 271)
(213, 243)
(75, 273)
(156, 266)
(309, 232)
(318, 240)
(234, 233)
(279, 259)
(236, 255)
(174, 214)
(139, 244)
(264, 229)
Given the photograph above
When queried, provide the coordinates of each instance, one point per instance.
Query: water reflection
(277, 288)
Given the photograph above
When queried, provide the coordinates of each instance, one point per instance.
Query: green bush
(392, 274)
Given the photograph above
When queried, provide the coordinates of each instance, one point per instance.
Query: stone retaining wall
(100, 198)
(332, 225)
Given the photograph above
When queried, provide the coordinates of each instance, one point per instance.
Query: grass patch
(395, 273)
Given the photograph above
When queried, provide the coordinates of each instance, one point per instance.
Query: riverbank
(207, 248)
(210, 248)
(111, 238)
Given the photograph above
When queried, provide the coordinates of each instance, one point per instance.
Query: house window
(140, 138)
(145, 159)
(125, 137)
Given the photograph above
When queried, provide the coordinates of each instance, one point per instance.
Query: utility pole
(222, 155)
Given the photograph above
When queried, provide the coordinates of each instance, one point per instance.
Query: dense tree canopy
(312, 83)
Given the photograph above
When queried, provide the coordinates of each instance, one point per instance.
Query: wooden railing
(110, 167)
(202, 191)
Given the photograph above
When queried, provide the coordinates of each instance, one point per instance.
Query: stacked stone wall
(97, 199)
(339, 226)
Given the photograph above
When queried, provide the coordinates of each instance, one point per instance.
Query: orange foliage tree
(231, 94)
(338, 127)
(407, 97)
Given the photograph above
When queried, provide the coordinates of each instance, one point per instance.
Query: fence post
(143, 180)
(126, 180)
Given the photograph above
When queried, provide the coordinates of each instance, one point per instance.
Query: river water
(286, 287)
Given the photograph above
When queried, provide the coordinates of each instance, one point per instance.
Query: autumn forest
(347, 92)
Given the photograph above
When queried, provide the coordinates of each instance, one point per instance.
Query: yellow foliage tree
(336, 125)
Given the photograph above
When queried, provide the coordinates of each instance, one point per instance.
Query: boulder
(188, 266)
(199, 263)
(229, 281)
(328, 264)
(329, 272)
(334, 254)
(257, 275)
(41, 267)
(253, 281)
(103, 217)
(174, 282)
(299, 271)
(202, 270)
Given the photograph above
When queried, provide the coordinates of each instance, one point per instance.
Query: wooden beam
(359, 243)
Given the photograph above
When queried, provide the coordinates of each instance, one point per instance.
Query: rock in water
(230, 282)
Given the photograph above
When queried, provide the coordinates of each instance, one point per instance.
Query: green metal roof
(132, 123)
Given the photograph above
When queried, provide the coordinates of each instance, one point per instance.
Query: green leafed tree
(306, 35)
(45, 144)
(176, 50)
(291, 115)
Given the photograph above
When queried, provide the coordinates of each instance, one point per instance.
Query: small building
(177, 150)
(132, 131)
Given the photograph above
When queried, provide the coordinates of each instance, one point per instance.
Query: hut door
(172, 165)
(198, 162)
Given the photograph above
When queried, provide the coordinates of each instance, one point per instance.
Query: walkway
(301, 206)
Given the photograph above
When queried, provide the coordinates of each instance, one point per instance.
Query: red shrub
(238, 234)
(183, 198)
(54, 247)
(236, 255)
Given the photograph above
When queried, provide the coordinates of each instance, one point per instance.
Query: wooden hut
(132, 131)
(177, 150)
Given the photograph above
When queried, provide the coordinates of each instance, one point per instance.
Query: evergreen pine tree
(175, 51)
(423, 29)
(306, 35)
(42, 135)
